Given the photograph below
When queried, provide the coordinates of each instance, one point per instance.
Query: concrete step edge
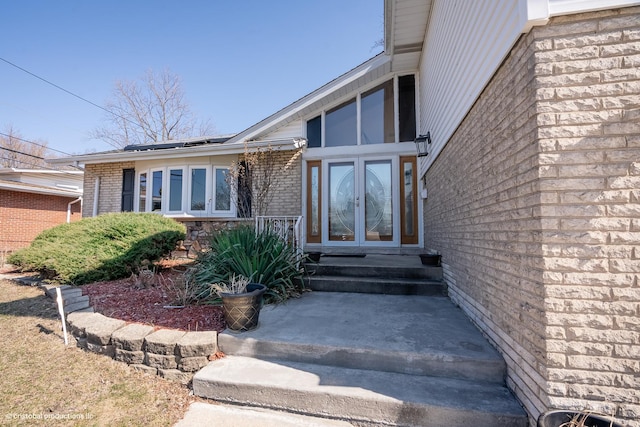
(359, 395)
(205, 414)
(439, 364)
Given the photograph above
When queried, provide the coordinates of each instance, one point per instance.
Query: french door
(362, 202)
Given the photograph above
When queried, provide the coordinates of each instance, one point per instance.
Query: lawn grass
(42, 382)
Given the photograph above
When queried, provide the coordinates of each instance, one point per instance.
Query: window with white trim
(383, 114)
(195, 190)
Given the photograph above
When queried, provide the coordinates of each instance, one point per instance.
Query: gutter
(79, 199)
(96, 193)
(183, 152)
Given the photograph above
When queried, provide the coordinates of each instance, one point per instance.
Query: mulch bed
(124, 299)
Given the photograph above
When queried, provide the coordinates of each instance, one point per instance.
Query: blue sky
(239, 61)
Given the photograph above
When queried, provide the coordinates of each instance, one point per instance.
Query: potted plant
(241, 302)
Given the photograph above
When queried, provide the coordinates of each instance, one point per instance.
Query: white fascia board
(181, 152)
(311, 98)
(567, 7)
(27, 188)
(534, 13)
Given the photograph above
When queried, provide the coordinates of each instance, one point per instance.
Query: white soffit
(405, 27)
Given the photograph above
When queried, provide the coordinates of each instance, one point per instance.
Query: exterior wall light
(422, 144)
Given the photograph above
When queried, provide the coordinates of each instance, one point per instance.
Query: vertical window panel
(142, 198)
(156, 191)
(377, 115)
(407, 107)
(314, 202)
(198, 199)
(314, 132)
(223, 190)
(175, 189)
(341, 125)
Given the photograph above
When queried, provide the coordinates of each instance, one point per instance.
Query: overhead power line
(22, 153)
(34, 143)
(71, 93)
(56, 86)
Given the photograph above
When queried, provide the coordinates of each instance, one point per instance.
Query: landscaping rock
(75, 303)
(99, 328)
(129, 357)
(175, 375)
(107, 350)
(160, 361)
(131, 337)
(78, 322)
(163, 341)
(193, 364)
(81, 342)
(194, 344)
(146, 369)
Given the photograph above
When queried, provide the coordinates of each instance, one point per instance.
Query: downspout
(79, 199)
(96, 193)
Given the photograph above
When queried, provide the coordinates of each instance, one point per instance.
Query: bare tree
(149, 110)
(16, 152)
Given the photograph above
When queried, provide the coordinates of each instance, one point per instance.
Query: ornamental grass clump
(260, 257)
(107, 247)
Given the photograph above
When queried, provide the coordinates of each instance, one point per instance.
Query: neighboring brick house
(33, 200)
(529, 189)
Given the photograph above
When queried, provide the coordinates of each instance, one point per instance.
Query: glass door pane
(342, 201)
(378, 213)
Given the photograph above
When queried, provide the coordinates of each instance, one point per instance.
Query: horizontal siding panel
(464, 45)
(292, 130)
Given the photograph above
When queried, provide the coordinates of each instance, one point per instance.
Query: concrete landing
(395, 333)
(365, 359)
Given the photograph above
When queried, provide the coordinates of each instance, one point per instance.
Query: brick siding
(286, 199)
(25, 215)
(534, 206)
(110, 192)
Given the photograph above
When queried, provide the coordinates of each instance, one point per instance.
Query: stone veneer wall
(110, 197)
(534, 206)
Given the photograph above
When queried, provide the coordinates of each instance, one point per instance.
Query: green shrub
(263, 258)
(106, 247)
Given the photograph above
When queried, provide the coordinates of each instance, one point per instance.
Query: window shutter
(128, 185)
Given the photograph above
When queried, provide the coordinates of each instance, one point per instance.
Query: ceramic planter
(241, 311)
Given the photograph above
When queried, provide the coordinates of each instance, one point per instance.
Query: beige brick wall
(110, 192)
(285, 197)
(588, 104)
(534, 206)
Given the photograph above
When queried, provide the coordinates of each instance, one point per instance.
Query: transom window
(383, 114)
(185, 190)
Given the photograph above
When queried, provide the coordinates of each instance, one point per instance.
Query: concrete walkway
(361, 358)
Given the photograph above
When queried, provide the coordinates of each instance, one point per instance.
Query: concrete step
(414, 335)
(374, 285)
(358, 267)
(360, 396)
(204, 414)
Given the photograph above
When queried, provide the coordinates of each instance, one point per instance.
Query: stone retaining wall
(171, 354)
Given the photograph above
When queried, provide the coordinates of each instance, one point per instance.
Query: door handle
(357, 201)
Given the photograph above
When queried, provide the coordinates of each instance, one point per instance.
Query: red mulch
(122, 299)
